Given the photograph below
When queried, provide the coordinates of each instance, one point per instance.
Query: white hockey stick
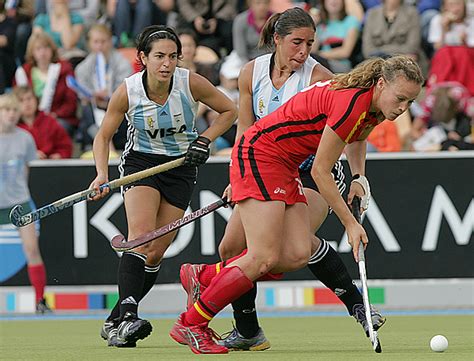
(363, 277)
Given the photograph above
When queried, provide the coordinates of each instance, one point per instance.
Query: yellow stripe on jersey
(218, 267)
(362, 116)
(201, 312)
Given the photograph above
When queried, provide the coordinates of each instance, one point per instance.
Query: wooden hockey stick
(120, 244)
(374, 339)
(20, 220)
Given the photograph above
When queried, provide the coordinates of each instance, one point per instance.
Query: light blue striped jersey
(160, 129)
(265, 97)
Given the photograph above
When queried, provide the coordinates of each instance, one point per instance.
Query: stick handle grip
(356, 213)
(144, 174)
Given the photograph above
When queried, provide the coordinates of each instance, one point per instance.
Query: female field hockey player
(325, 119)
(265, 84)
(160, 105)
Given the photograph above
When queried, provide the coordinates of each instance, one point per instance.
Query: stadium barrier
(420, 225)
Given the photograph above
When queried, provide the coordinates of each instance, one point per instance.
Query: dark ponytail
(283, 24)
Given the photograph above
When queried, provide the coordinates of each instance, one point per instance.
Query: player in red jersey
(326, 118)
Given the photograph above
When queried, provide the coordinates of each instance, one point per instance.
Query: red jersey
(293, 131)
(50, 137)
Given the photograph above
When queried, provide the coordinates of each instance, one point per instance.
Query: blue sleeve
(41, 20)
(352, 22)
(76, 19)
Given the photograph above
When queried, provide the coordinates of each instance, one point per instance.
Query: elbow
(233, 113)
(316, 173)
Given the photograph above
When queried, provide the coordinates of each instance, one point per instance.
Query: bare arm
(345, 50)
(329, 150)
(356, 153)
(321, 73)
(70, 33)
(208, 94)
(116, 110)
(246, 115)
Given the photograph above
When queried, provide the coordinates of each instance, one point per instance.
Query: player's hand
(355, 190)
(356, 234)
(228, 194)
(96, 183)
(198, 152)
(360, 187)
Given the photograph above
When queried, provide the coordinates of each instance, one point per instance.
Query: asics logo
(279, 190)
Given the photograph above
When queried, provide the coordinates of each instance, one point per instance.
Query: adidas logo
(129, 300)
(339, 292)
(275, 99)
(251, 310)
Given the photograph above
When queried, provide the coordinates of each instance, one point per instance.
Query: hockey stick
(120, 244)
(363, 277)
(20, 220)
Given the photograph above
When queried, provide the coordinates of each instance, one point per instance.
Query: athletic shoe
(189, 275)
(358, 312)
(199, 338)
(236, 342)
(42, 307)
(109, 334)
(131, 329)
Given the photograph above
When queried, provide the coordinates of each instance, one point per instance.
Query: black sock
(131, 277)
(245, 314)
(151, 273)
(327, 266)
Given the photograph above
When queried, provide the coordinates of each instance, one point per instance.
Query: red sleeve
(65, 100)
(349, 110)
(61, 142)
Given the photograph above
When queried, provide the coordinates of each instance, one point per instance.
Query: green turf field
(310, 338)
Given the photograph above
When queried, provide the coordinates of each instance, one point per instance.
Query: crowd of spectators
(63, 59)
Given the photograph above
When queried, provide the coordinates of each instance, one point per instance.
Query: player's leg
(263, 224)
(325, 263)
(166, 214)
(247, 332)
(36, 268)
(141, 204)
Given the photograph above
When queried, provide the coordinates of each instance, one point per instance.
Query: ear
(381, 83)
(276, 38)
(143, 58)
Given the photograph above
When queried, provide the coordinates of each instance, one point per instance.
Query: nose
(404, 106)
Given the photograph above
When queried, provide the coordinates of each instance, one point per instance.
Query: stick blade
(16, 215)
(118, 243)
(377, 345)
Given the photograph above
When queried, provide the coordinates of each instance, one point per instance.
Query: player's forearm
(222, 123)
(328, 189)
(356, 153)
(101, 155)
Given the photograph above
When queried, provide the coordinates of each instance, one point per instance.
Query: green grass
(311, 338)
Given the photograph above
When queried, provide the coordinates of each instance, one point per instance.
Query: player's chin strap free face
(364, 183)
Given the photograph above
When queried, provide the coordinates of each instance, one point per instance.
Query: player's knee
(154, 257)
(267, 263)
(296, 260)
(228, 248)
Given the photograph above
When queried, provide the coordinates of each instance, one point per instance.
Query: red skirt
(257, 175)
